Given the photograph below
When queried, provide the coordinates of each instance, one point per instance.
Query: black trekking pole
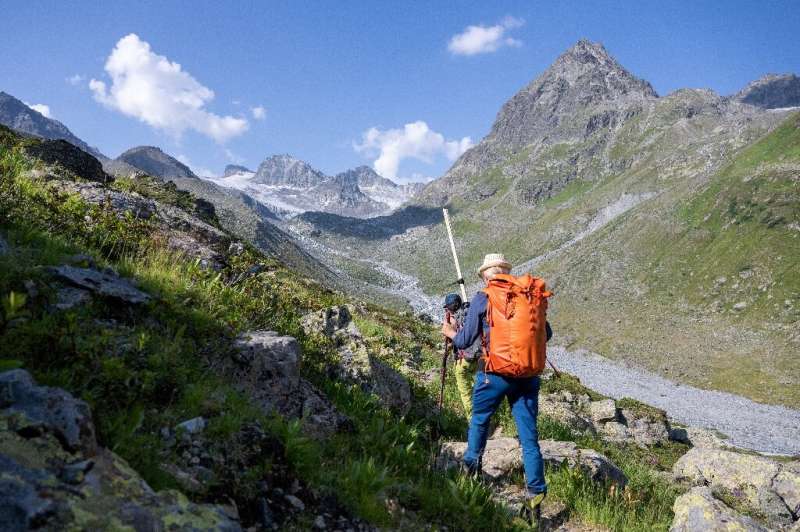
(448, 344)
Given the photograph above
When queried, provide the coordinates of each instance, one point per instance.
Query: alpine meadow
(586, 319)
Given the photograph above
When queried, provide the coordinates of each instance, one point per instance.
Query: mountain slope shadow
(378, 228)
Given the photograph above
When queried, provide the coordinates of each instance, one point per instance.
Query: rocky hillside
(679, 209)
(158, 372)
(16, 115)
(773, 91)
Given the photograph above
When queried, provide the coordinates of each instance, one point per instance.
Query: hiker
(465, 359)
(513, 357)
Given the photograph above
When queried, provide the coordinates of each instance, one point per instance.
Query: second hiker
(509, 316)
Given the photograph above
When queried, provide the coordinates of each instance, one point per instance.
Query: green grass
(151, 368)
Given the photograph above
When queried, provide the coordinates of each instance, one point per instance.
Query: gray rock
(602, 411)
(192, 426)
(679, 434)
(69, 297)
(616, 432)
(36, 409)
(72, 159)
(645, 429)
(568, 410)
(356, 363)
(296, 503)
(122, 203)
(319, 523)
(503, 456)
(760, 482)
(265, 368)
(698, 510)
(103, 283)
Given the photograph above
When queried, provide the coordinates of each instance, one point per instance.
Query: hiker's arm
(472, 324)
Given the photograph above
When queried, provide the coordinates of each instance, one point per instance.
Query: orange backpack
(516, 313)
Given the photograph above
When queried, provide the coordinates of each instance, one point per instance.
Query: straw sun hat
(491, 260)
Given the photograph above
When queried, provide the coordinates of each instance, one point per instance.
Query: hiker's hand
(448, 329)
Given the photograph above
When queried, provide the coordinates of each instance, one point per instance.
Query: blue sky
(328, 73)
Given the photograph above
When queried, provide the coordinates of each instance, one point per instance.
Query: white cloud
(233, 157)
(75, 79)
(259, 113)
(413, 141)
(41, 108)
(160, 93)
(484, 39)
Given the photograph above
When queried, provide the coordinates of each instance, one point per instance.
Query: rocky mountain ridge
(595, 182)
(290, 187)
(18, 116)
(153, 161)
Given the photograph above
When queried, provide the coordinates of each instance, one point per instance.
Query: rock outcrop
(698, 510)
(503, 456)
(67, 157)
(357, 364)
(53, 475)
(265, 368)
(773, 91)
(104, 283)
(766, 485)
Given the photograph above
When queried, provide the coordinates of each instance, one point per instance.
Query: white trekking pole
(455, 256)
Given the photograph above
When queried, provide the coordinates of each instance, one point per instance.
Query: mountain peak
(233, 169)
(772, 91)
(583, 81)
(153, 161)
(286, 170)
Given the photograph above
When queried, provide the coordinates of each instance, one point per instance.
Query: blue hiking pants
(523, 397)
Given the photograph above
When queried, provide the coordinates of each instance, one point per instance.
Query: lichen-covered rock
(54, 477)
(357, 364)
(615, 431)
(36, 409)
(122, 203)
(698, 510)
(570, 410)
(104, 283)
(771, 487)
(646, 429)
(603, 410)
(595, 465)
(503, 456)
(265, 368)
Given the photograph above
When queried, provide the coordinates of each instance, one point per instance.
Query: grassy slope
(651, 278)
(149, 369)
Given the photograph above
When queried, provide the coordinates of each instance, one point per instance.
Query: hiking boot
(473, 472)
(532, 509)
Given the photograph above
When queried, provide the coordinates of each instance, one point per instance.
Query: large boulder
(603, 410)
(698, 510)
(357, 363)
(503, 456)
(53, 476)
(265, 367)
(105, 283)
(32, 409)
(646, 428)
(74, 160)
(771, 487)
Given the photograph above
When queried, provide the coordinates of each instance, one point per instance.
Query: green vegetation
(148, 367)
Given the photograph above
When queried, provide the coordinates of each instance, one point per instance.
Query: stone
(699, 510)
(35, 409)
(236, 249)
(265, 367)
(296, 503)
(679, 434)
(564, 408)
(646, 429)
(616, 432)
(319, 523)
(4, 247)
(69, 297)
(357, 364)
(769, 486)
(503, 456)
(71, 158)
(594, 464)
(192, 426)
(55, 477)
(603, 411)
(103, 283)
